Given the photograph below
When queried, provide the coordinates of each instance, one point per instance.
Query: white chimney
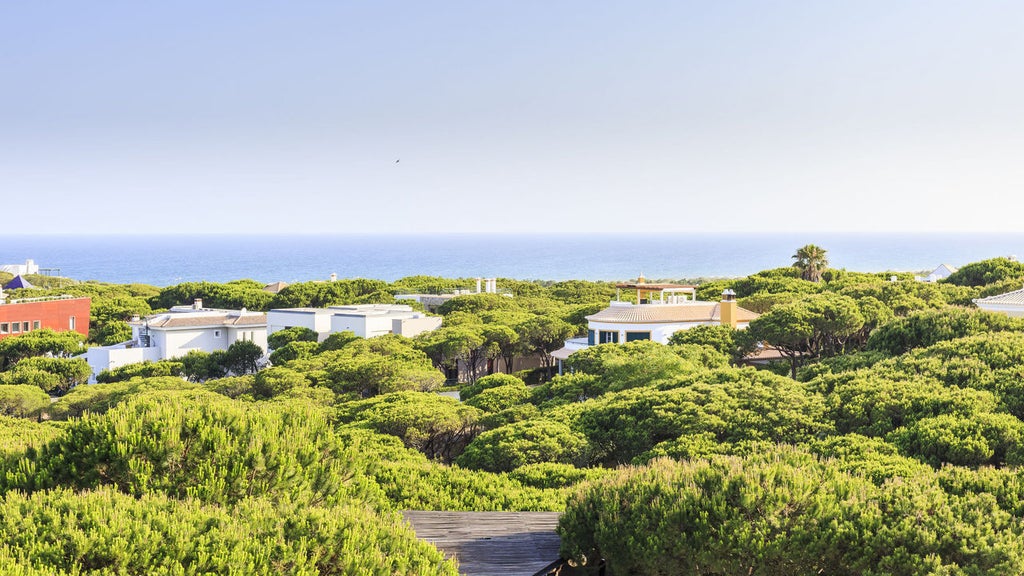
(478, 282)
(334, 277)
(197, 304)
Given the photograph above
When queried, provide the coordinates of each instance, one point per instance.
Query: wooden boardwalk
(491, 543)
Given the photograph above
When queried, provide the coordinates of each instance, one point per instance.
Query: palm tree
(811, 261)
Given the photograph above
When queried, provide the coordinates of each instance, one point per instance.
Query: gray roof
(1013, 298)
(491, 543)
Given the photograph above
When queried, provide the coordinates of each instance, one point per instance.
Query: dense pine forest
(887, 439)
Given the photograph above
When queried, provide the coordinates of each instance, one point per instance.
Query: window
(5, 328)
(216, 333)
(608, 336)
(590, 337)
(634, 336)
(35, 324)
(24, 326)
(15, 327)
(71, 323)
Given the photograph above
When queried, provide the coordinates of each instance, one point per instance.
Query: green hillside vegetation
(889, 440)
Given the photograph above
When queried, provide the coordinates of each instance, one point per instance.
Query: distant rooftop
(1014, 298)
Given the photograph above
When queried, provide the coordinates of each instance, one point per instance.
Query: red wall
(52, 314)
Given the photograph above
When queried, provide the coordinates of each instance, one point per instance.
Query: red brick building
(59, 313)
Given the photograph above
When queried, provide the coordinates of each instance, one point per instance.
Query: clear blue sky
(529, 116)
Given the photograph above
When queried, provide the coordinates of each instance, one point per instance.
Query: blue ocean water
(166, 260)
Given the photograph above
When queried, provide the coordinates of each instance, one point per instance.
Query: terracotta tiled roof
(668, 313)
(1015, 297)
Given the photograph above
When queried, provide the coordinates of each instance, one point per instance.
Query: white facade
(940, 273)
(364, 320)
(177, 332)
(29, 267)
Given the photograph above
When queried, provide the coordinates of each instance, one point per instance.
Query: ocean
(166, 260)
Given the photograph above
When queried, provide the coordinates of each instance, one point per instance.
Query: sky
(511, 117)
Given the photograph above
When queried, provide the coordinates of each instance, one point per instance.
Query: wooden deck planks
(491, 543)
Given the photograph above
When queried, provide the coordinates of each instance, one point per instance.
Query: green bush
(104, 532)
(22, 401)
(782, 513)
(528, 442)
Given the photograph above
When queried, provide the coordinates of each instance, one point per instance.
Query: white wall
(102, 358)
(410, 327)
(358, 325)
(317, 321)
(256, 334)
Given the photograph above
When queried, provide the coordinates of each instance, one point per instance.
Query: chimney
(197, 304)
(727, 308)
(334, 277)
(478, 282)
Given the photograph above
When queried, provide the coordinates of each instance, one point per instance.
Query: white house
(940, 273)
(365, 320)
(656, 318)
(179, 331)
(29, 267)
(1011, 303)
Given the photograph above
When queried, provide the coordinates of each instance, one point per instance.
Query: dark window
(5, 328)
(35, 324)
(15, 327)
(608, 336)
(24, 326)
(590, 337)
(634, 336)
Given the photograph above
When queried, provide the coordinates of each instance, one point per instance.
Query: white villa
(365, 320)
(1011, 303)
(940, 273)
(179, 331)
(663, 310)
(29, 267)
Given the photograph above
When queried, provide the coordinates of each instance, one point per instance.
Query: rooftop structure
(434, 301)
(18, 281)
(275, 287)
(647, 293)
(1010, 303)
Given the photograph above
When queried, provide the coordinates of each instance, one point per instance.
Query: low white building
(29, 267)
(656, 319)
(1010, 303)
(177, 332)
(364, 320)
